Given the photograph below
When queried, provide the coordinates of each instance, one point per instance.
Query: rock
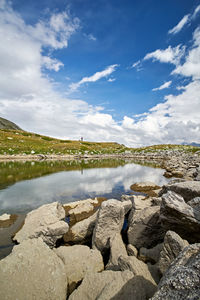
(150, 255)
(32, 271)
(117, 248)
(155, 272)
(110, 285)
(94, 202)
(79, 260)
(182, 279)
(7, 220)
(195, 203)
(5, 217)
(178, 216)
(82, 231)
(140, 202)
(127, 205)
(80, 212)
(144, 186)
(110, 220)
(172, 246)
(187, 189)
(45, 222)
(138, 268)
(131, 250)
(145, 227)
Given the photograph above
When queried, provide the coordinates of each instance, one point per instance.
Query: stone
(32, 271)
(187, 189)
(140, 202)
(71, 205)
(117, 248)
(131, 250)
(139, 268)
(127, 205)
(172, 246)
(150, 255)
(182, 279)
(145, 228)
(80, 212)
(144, 186)
(178, 216)
(82, 231)
(195, 203)
(79, 260)
(110, 220)
(5, 217)
(110, 285)
(45, 222)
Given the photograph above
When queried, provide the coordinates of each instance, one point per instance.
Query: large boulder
(178, 216)
(187, 189)
(182, 279)
(82, 231)
(32, 271)
(79, 260)
(172, 246)
(117, 248)
(110, 220)
(108, 285)
(138, 268)
(145, 228)
(45, 222)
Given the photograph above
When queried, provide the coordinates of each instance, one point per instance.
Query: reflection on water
(27, 185)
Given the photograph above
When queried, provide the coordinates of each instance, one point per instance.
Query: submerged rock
(144, 186)
(79, 260)
(45, 222)
(182, 279)
(32, 271)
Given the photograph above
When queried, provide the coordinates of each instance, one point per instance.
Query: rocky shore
(142, 247)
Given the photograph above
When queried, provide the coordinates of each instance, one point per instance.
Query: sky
(105, 70)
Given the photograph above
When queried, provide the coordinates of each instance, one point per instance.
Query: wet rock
(172, 246)
(45, 222)
(178, 216)
(150, 255)
(82, 231)
(110, 285)
(138, 268)
(145, 228)
(182, 279)
(79, 260)
(32, 271)
(144, 186)
(5, 217)
(187, 189)
(131, 250)
(7, 220)
(117, 248)
(110, 220)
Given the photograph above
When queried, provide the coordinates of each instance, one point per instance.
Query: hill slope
(6, 124)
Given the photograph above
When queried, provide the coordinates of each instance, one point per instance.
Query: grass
(13, 142)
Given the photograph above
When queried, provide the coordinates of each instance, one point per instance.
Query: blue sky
(124, 71)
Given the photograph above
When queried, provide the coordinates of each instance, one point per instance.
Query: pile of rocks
(136, 248)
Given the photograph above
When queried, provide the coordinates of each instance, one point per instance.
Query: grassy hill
(22, 142)
(6, 124)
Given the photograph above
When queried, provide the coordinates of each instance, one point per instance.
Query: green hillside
(6, 124)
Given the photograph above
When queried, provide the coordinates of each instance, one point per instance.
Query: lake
(27, 185)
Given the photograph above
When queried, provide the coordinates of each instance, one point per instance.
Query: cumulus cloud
(180, 25)
(169, 55)
(95, 77)
(163, 86)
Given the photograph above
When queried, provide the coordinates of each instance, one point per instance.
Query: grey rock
(32, 271)
(138, 268)
(145, 227)
(82, 231)
(172, 246)
(79, 260)
(187, 189)
(150, 255)
(182, 279)
(195, 203)
(178, 216)
(131, 250)
(45, 222)
(109, 285)
(110, 220)
(117, 248)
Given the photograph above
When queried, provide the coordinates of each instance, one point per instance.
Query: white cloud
(52, 64)
(163, 86)
(134, 65)
(92, 37)
(180, 25)
(168, 55)
(111, 79)
(196, 11)
(98, 75)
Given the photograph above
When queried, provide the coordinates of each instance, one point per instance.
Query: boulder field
(95, 256)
